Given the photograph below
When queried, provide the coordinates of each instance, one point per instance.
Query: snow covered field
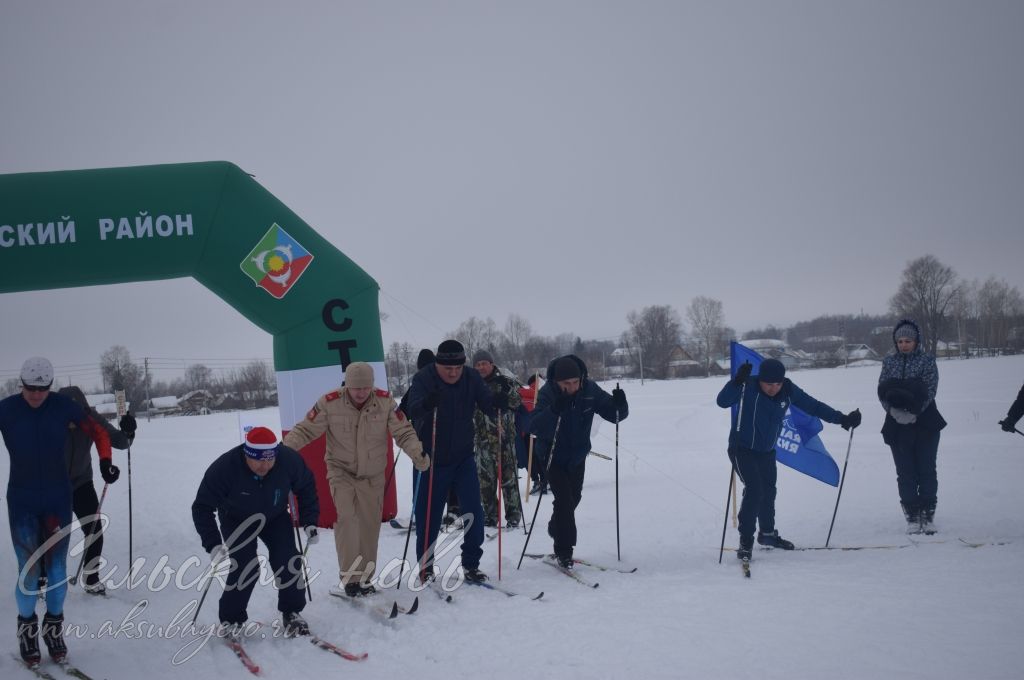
(929, 608)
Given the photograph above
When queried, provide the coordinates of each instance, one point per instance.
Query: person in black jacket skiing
(443, 398)
(765, 398)
(1009, 423)
(248, 488)
(84, 501)
(565, 410)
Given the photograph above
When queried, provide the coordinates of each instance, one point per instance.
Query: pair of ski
(381, 611)
(236, 646)
(550, 560)
(46, 675)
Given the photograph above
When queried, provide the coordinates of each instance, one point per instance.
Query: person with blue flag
(763, 401)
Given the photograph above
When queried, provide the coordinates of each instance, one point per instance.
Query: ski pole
(1018, 432)
(841, 482)
(728, 497)
(294, 512)
(430, 495)
(543, 490)
(209, 581)
(500, 494)
(408, 530)
(131, 550)
(95, 528)
(529, 469)
(618, 547)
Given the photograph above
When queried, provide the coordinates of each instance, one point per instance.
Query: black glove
(1007, 425)
(431, 400)
(128, 425)
(618, 399)
(109, 471)
(742, 374)
(850, 420)
(500, 401)
(562, 402)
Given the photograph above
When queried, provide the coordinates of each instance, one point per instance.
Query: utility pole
(145, 382)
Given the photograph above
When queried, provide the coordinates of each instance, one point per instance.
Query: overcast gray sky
(565, 161)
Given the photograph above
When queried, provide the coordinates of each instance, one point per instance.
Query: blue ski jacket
(761, 416)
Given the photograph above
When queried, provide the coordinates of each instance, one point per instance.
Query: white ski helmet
(37, 372)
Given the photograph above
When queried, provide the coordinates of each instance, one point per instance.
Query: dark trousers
(279, 537)
(86, 504)
(462, 478)
(914, 450)
(758, 472)
(567, 488)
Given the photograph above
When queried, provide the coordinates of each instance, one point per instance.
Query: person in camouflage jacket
(486, 445)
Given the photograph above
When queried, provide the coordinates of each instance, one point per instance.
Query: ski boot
(353, 590)
(746, 548)
(474, 575)
(367, 590)
(927, 520)
(28, 640)
(773, 540)
(565, 562)
(913, 516)
(53, 636)
(294, 624)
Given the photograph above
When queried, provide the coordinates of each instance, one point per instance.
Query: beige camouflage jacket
(357, 439)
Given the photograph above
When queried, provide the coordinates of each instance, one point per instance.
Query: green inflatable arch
(215, 223)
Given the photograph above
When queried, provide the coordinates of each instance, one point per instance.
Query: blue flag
(798, 446)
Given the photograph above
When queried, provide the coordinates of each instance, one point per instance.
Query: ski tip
(537, 597)
(415, 606)
(394, 610)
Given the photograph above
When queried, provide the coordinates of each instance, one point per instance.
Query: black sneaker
(28, 640)
(773, 540)
(353, 590)
(746, 548)
(96, 588)
(294, 624)
(474, 575)
(53, 636)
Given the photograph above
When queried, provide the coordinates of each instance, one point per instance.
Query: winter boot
(53, 636)
(294, 624)
(367, 590)
(773, 540)
(353, 590)
(913, 515)
(28, 640)
(474, 575)
(565, 562)
(927, 519)
(746, 547)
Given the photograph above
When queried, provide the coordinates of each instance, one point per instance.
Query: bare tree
(657, 331)
(706, 320)
(476, 334)
(198, 377)
(121, 373)
(926, 294)
(517, 333)
(10, 386)
(998, 304)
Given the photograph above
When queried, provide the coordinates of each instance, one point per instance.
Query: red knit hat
(260, 444)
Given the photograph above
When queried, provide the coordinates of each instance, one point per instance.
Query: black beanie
(425, 358)
(771, 371)
(566, 368)
(450, 353)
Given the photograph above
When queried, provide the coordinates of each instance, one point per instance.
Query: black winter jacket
(231, 489)
(572, 442)
(455, 429)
